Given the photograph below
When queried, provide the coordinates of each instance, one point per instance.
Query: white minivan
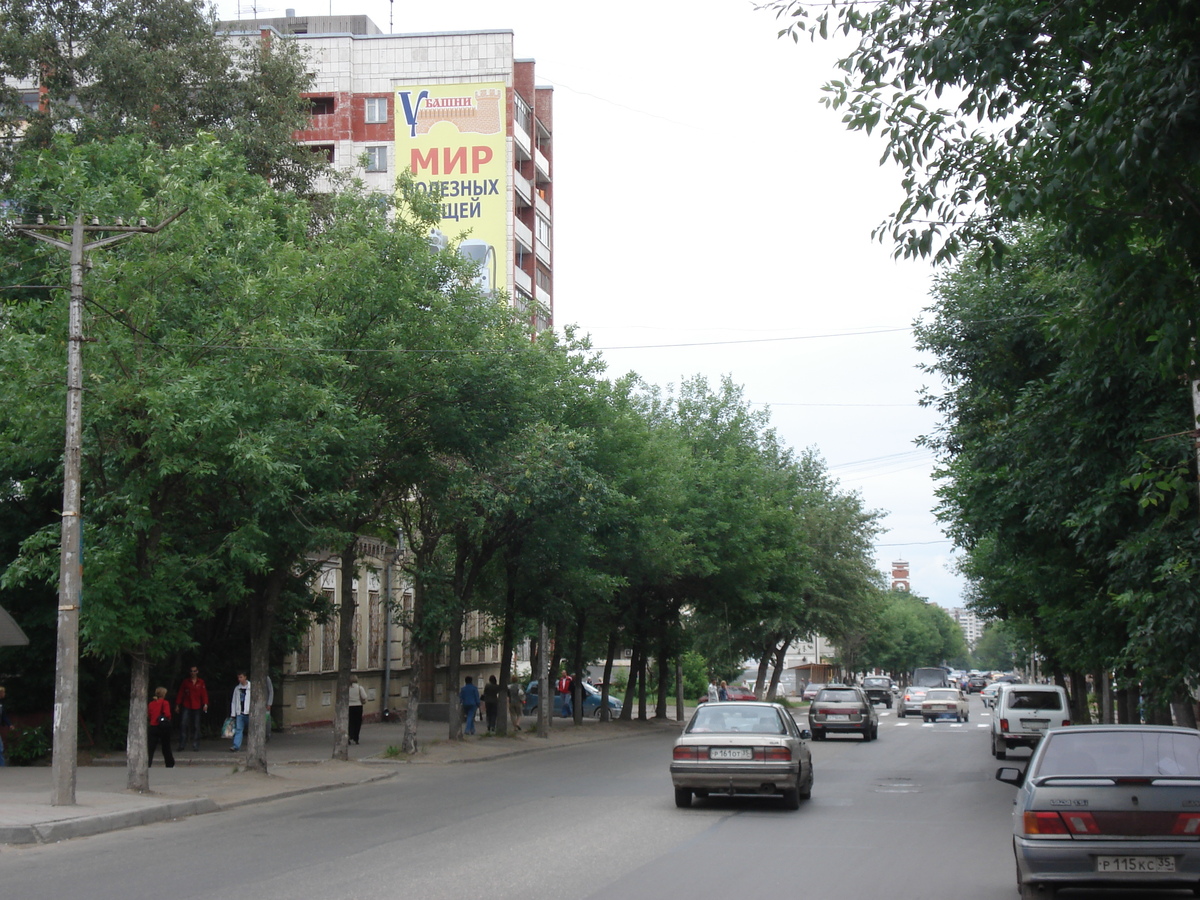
(1022, 714)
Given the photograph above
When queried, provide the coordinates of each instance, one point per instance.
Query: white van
(1022, 714)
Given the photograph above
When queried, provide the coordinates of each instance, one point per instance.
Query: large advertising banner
(453, 139)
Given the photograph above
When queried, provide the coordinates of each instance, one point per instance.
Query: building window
(325, 150)
(521, 113)
(543, 230)
(377, 159)
(543, 279)
(321, 106)
(377, 110)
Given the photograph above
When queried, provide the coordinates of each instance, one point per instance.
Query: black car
(878, 690)
(976, 683)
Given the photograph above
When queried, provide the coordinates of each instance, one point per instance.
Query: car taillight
(1187, 823)
(773, 754)
(1044, 823)
(1066, 722)
(1004, 724)
(686, 753)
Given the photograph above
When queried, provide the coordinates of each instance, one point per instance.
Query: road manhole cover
(896, 786)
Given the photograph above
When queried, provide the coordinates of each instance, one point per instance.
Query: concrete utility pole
(70, 572)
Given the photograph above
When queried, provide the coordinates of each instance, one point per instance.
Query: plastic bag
(227, 728)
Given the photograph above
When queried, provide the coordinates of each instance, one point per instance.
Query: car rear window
(723, 720)
(876, 682)
(1142, 753)
(833, 696)
(941, 695)
(1027, 699)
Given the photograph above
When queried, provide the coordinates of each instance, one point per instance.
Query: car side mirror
(805, 734)
(1010, 775)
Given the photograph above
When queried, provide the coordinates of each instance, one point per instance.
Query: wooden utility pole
(70, 571)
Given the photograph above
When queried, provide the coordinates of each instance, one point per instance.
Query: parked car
(810, 691)
(1024, 712)
(841, 708)
(742, 748)
(733, 692)
(591, 701)
(976, 683)
(988, 694)
(1109, 806)
(910, 701)
(948, 702)
(878, 689)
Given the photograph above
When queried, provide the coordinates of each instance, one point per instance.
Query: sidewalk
(298, 762)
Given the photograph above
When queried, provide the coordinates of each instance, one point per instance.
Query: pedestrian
(239, 709)
(565, 685)
(723, 692)
(714, 695)
(491, 702)
(159, 710)
(191, 703)
(4, 723)
(516, 704)
(469, 695)
(358, 697)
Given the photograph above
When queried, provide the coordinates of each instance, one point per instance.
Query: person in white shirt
(239, 709)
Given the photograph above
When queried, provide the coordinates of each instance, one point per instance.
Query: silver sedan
(742, 748)
(1115, 806)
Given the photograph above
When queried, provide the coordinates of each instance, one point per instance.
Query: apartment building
(460, 112)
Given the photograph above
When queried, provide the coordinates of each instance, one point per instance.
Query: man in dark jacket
(191, 703)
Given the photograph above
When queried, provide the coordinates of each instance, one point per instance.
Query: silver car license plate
(1135, 864)
(730, 753)
(837, 717)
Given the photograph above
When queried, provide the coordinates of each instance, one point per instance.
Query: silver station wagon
(742, 748)
(1115, 806)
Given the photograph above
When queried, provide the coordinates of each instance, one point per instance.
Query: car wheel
(957, 717)
(867, 733)
(683, 797)
(888, 705)
(806, 791)
(900, 714)
(874, 732)
(1035, 891)
(599, 709)
(998, 749)
(818, 735)
(700, 795)
(967, 717)
(532, 711)
(791, 798)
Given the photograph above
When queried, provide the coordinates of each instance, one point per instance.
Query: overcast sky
(713, 217)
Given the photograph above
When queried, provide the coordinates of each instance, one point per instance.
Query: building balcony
(523, 234)
(523, 188)
(522, 145)
(542, 165)
(543, 207)
(522, 280)
(543, 253)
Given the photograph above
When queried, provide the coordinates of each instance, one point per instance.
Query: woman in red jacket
(160, 726)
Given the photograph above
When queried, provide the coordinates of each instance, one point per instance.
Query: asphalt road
(916, 814)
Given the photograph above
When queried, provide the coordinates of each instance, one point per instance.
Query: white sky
(703, 195)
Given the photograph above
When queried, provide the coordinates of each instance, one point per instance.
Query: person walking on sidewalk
(491, 702)
(191, 703)
(239, 709)
(159, 710)
(358, 697)
(469, 695)
(516, 704)
(566, 685)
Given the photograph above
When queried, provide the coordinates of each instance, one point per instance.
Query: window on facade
(321, 106)
(325, 150)
(543, 230)
(543, 279)
(31, 99)
(377, 110)
(377, 159)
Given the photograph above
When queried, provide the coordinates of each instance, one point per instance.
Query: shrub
(27, 746)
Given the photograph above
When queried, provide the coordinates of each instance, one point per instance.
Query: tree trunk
(544, 686)
(577, 669)
(664, 683)
(1183, 709)
(642, 664)
(137, 749)
(764, 660)
(503, 726)
(417, 651)
(679, 710)
(1104, 697)
(1081, 709)
(631, 685)
(453, 676)
(614, 635)
(777, 670)
(345, 651)
(262, 621)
